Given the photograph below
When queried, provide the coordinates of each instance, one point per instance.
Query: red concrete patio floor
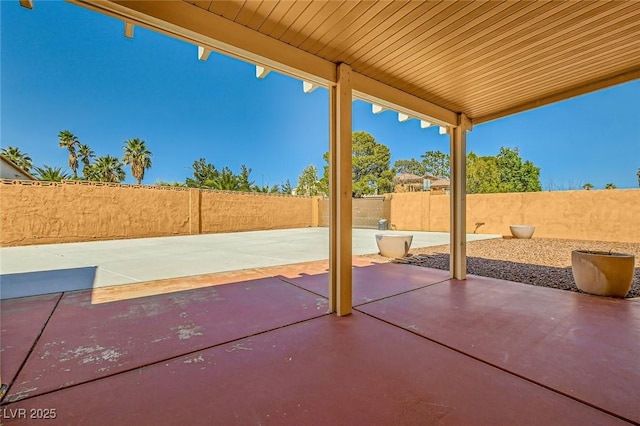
(258, 347)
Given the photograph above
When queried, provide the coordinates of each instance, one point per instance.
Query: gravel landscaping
(538, 261)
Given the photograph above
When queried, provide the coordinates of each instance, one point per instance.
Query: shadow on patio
(258, 347)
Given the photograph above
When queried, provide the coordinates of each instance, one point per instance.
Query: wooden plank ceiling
(486, 59)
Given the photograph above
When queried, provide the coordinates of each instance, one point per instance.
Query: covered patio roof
(484, 59)
(452, 64)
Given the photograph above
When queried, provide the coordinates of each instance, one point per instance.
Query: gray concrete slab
(128, 261)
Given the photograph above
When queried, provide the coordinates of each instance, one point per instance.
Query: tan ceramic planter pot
(603, 273)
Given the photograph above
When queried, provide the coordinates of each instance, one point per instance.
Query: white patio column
(340, 188)
(458, 215)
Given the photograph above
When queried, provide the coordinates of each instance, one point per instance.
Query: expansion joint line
(33, 346)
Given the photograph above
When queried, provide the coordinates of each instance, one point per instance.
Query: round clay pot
(603, 273)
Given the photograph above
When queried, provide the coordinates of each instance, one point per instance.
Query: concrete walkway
(50, 268)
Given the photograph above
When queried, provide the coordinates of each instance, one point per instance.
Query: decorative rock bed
(542, 261)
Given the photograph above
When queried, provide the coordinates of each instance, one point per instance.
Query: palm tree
(19, 158)
(638, 174)
(70, 141)
(107, 169)
(52, 174)
(138, 156)
(85, 153)
(588, 186)
(610, 186)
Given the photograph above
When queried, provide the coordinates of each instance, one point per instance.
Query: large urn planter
(603, 273)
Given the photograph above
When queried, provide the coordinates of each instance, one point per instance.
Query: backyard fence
(601, 215)
(33, 212)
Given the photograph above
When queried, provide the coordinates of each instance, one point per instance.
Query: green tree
(371, 165)
(203, 172)
(505, 172)
(286, 187)
(411, 166)
(70, 141)
(161, 182)
(371, 171)
(85, 153)
(51, 174)
(266, 189)
(226, 181)
(483, 175)
(138, 157)
(19, 158)
(323, 183)
(516, 176)
(308, 183)
(587, 186)
(107, 169)
(437, 163)
(610, 186)
(244, 181)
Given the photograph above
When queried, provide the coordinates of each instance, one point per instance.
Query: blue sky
(64, 67)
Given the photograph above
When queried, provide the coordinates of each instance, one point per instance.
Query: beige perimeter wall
(604, 215)
(43, 213)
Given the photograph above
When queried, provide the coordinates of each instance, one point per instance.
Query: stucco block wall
(47, 213)
(410, 210)
(68, 213)
(56, 213)
(231, 212)
(605, 215)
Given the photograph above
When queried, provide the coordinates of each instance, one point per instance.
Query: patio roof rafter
(262, 72)
(203, 53)
(128, 29)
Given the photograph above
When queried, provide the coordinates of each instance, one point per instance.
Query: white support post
(458, 235)
(341, 192)
(308, 87)
(262, 72)
(203, 53)
(424, 124)
(443, 130)
(27, 4)
(128, 29)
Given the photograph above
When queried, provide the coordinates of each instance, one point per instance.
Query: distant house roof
(10, 170)
(407, 178)
(440, 183)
